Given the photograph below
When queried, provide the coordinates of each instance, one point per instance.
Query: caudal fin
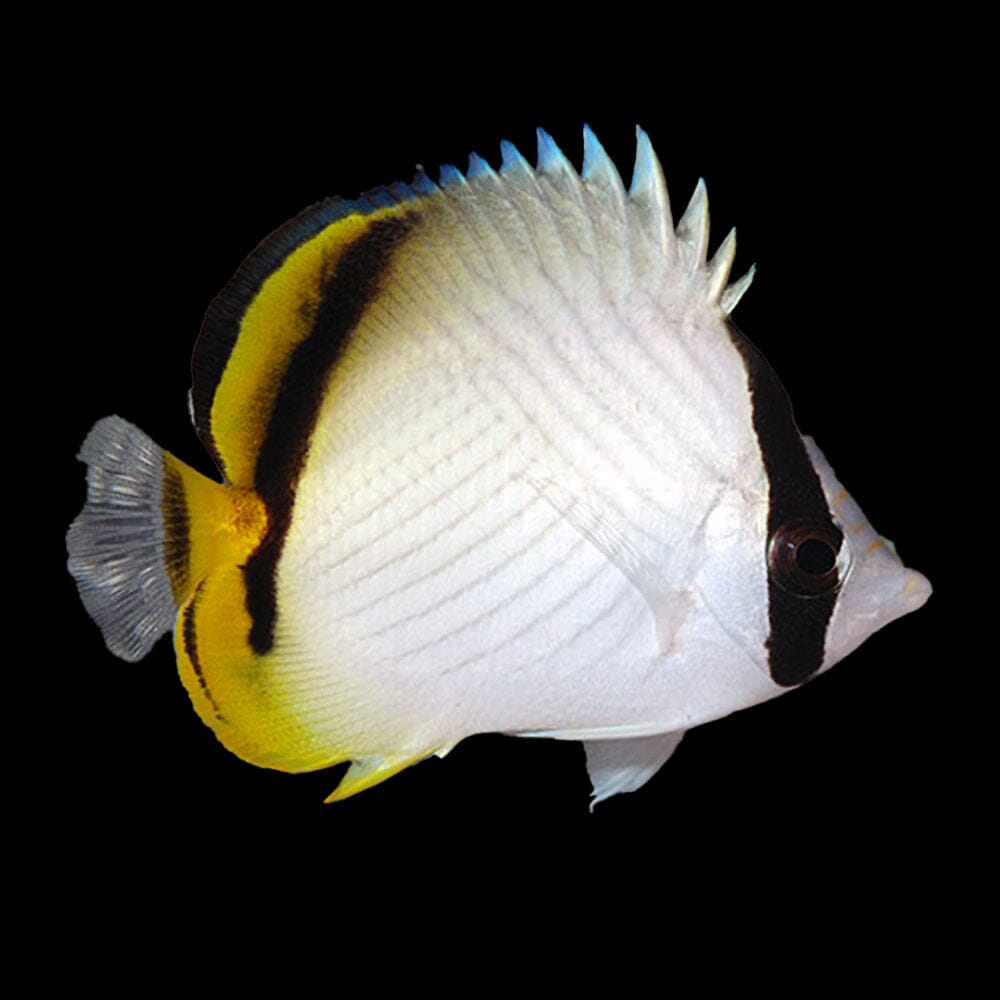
(117, 549)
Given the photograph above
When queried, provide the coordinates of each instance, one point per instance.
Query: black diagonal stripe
(190, 641)
(221, 327)
(344, 298)
(798, 625)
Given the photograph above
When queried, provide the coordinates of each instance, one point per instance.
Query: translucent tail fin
(116, 546)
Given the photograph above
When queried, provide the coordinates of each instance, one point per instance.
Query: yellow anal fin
(369, 771)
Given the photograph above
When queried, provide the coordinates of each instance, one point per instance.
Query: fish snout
(916, 589)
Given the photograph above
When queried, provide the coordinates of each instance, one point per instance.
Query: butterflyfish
(493, 458)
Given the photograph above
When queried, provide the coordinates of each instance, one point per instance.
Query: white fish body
(495, 461)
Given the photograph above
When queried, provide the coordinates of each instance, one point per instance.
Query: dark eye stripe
(797, 624)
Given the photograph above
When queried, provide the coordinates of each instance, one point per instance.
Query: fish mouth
(916, 589)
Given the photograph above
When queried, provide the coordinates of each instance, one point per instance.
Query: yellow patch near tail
(270, 709)
(211, 531)
(249, 701)
(205, 525)
(253, 703)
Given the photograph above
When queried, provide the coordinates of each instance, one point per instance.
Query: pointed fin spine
(732, 295)
(554, 167)
(450, 176)
(512, 161)
(478, 167)
(598, 168)
(601, 178)
(720, 265)
(552, 161)
(649, 191)
(692, 230)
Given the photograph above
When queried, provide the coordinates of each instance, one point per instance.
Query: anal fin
(624, 765)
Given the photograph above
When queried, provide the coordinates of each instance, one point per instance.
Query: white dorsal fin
(614, 227)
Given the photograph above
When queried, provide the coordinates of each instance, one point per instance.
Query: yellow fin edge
(369, 771)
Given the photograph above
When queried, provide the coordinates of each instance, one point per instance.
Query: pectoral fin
(669, 601)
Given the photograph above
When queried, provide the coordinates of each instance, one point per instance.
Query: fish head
(786, 597)
(794, 574)
(873, 587)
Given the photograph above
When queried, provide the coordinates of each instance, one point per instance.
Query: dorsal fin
(254, 325)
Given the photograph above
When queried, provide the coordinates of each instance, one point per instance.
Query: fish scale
(494, 459)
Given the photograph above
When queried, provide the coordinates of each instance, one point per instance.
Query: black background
(163, 181)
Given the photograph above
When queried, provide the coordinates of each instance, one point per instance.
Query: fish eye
(803, 557)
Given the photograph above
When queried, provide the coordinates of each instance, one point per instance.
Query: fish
(493, 457)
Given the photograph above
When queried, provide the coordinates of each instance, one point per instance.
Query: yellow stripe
(278, 319)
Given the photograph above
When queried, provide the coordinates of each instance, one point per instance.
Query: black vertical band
(797, 624)
(176, 532)
(347, 293)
